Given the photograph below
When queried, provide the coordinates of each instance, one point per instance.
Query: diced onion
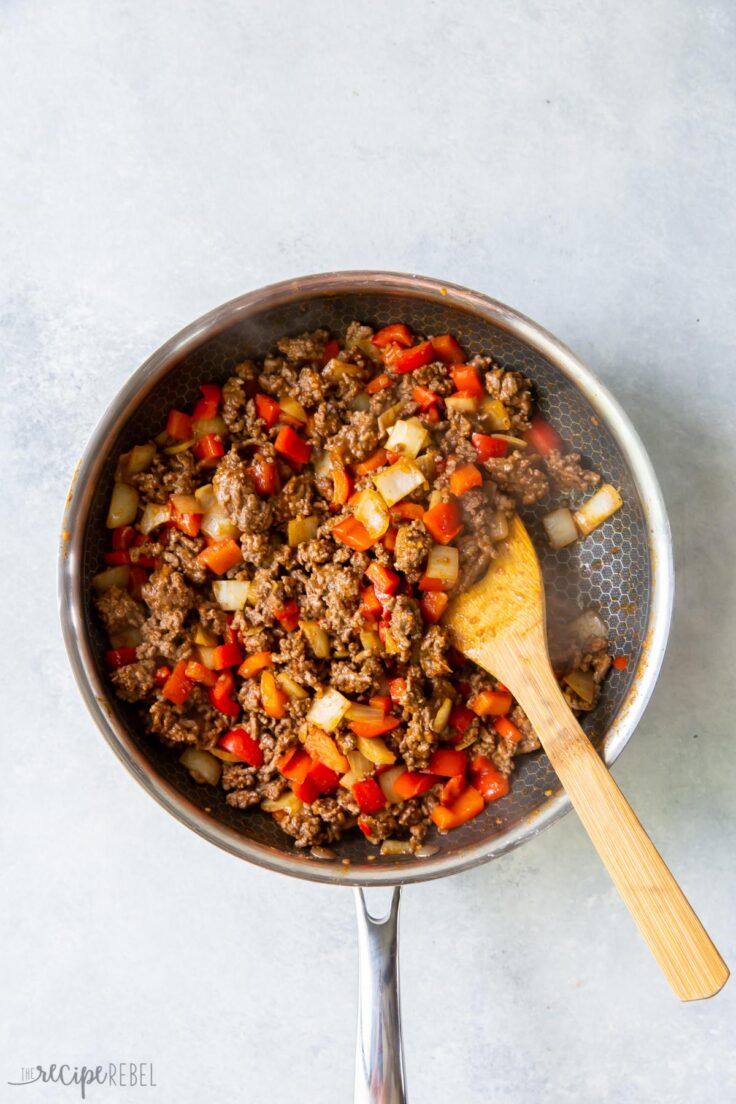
(205, 496)
(427, 465)
(596, 510)
(359, 768)
(498, 526)
(386, 781)
(375, 749)
(182, 446)
(370, 350)
(293, 409)
(202, 766)
(396, 847)
(370, 640)
(370, 509)
(206, 656)
(407, 437)
(401, 479)
(560, 527)
(369, 714)
(287, 803)
(389, 416)
(217, 524)
(154, 515)
(322, 464)
(205, 636)
(231, 594)
(123, 506)
(112, 576)
(335, 369)
(581, 683)
(439, 724)
(317, 639)
(362, 401)
(302, 529)
(187, 504)
(518, 442)
(138, 459)
(495, 415)
(328, 710)
(203, 426)
(587, 628)
(443, 563)
(389, 643)
(291, 688)
(462, 404)
(129, 638)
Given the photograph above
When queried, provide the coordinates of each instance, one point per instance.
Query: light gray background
(573, 159)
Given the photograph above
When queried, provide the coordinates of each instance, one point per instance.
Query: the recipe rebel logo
(119, 1075)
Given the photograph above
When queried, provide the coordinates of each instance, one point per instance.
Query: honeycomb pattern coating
(609, 570)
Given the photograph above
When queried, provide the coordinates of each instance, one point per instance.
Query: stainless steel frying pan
(624, 568)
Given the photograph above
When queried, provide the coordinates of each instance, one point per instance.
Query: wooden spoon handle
(676, 938)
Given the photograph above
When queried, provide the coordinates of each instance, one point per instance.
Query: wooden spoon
(500, 624)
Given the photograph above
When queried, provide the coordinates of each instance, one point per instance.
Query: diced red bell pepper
(443, 521)
(487, 779)
(433, 605)
(288, 615)
(320, 779)
(424, 397)
(468, 805)
(221, 695)
(465, 478)
(342, 485)
(186, 523)
(453, 788)
(375, 461)
(160, 676)
(116, 559)
(397, 332)
(239, 742)
(465, 378)
(265, 475)
(255, 663)
(487, 446)
(371, 729)
(369, 795)
(491, 703)
(353, 533)
(268, 409)
(461, 718)
(227, 655)
(209, 447)
(370, 606)
(408, 360)
(431, 584)
(220, 556)
(381, 701)
(388, 540)
(379, 383)
(179, 425)
(508, 730)
(331, 350)
(199, 673)
(414, 783)
(272, 696)
(543, 437)
(448, 762)
(385, 581)
(137, 579)
(364, 827)
(178, 685)
(397, 689)
(432, 414)
(120, 657)
(123, 537)
(620, 662)
(292, 447)
(295, 764)
(447, 349)
(410, 511)
(208, 405)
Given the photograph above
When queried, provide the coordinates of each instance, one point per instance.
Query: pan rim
(158, 364)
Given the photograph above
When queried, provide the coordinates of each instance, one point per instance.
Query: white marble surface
(575, 160)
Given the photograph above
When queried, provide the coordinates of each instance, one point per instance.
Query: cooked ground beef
(271, 586)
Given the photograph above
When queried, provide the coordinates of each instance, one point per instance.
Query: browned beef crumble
(175, 618)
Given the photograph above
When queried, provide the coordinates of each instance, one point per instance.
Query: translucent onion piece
(362, 401)
(205, 496)
(462, 404)
(187, 504)
(217, 524)
(443, 563)
(375, 749)
(328, 710)
(370, 509)
(516, 441)
(202, 766)
(596, 510)
(138, 459)
(291, 688)
(335, 369)
(389, 416)
(302, 529)
(407, 437)
(427, 465)
(359, 768)
(182, 446)
(205, 636)
(581, 683)
(231, 594)
(206, 656)
(123, 506)
(317, 639)
(129, 638)
(153, 516)
(370, 714)
(588, 627)
(370, 640)
(498, 526)
(560, 527)
(113, 576)
(293, 408)
(439, 724)
(396, 847)
(386, 782)
(495, 415)
(401, 479)
(322, 464)
(203, 426)
(287, 803)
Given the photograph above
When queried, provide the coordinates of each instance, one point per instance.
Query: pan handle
(379, 1057)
